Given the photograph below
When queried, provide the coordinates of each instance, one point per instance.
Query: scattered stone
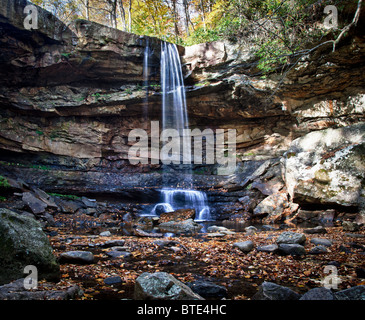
(16, 291)
(113, 243)
(118, 254)
(271, 248)
(69, 206)
(215, 235)
(320, 249)
(322, 242)
(273, 291)
(162, 286)
(141, 233)
(90, 203)
(354, 293)
(267, 227)
(293, 249)
(245, 246)
(23, 242)
(164, 243)
(36, 205)
(113, 280)
(318, 229)
(186, 226)
(355, 235)
(207, 289)
(289, 237)
(78, 257)
(350, 226)
(251, 230)
(318, 294)
(105, 234)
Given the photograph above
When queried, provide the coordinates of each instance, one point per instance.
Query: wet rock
(245, 246)
(289, 237)
(22, 243)
(162, 286)
(273, 291)
(78, 257)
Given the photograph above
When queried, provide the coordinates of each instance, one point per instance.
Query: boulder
(245, 246)
(186, 226)
(208, 289)
(327, 166)
(272, 205)
(318, 294)
(273, 291)
(289, 237)
(162, 286)
(354, 293)
(36, 205)
(23, 243)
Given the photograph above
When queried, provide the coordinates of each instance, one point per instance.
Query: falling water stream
(175, 116)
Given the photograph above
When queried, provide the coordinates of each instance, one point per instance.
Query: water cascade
(175, 116)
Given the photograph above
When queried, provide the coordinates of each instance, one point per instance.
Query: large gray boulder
(162, 286)
(22, 243)
(327, 166)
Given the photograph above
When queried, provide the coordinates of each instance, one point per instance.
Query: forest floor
(200, 257)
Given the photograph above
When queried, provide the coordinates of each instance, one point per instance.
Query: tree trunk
(187, 17)
(130, 16)
(122, 15)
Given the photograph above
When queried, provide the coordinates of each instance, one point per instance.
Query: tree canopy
(278, 28)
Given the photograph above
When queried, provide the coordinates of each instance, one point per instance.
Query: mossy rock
(22, 243)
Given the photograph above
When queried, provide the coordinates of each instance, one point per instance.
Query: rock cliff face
(71, 94)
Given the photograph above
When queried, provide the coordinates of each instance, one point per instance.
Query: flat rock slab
(81, 257)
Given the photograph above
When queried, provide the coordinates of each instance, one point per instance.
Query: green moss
(322, 176)
(4, 183)
(64, 196)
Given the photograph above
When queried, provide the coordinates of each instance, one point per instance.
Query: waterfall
(173, 199)
(175, 116)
